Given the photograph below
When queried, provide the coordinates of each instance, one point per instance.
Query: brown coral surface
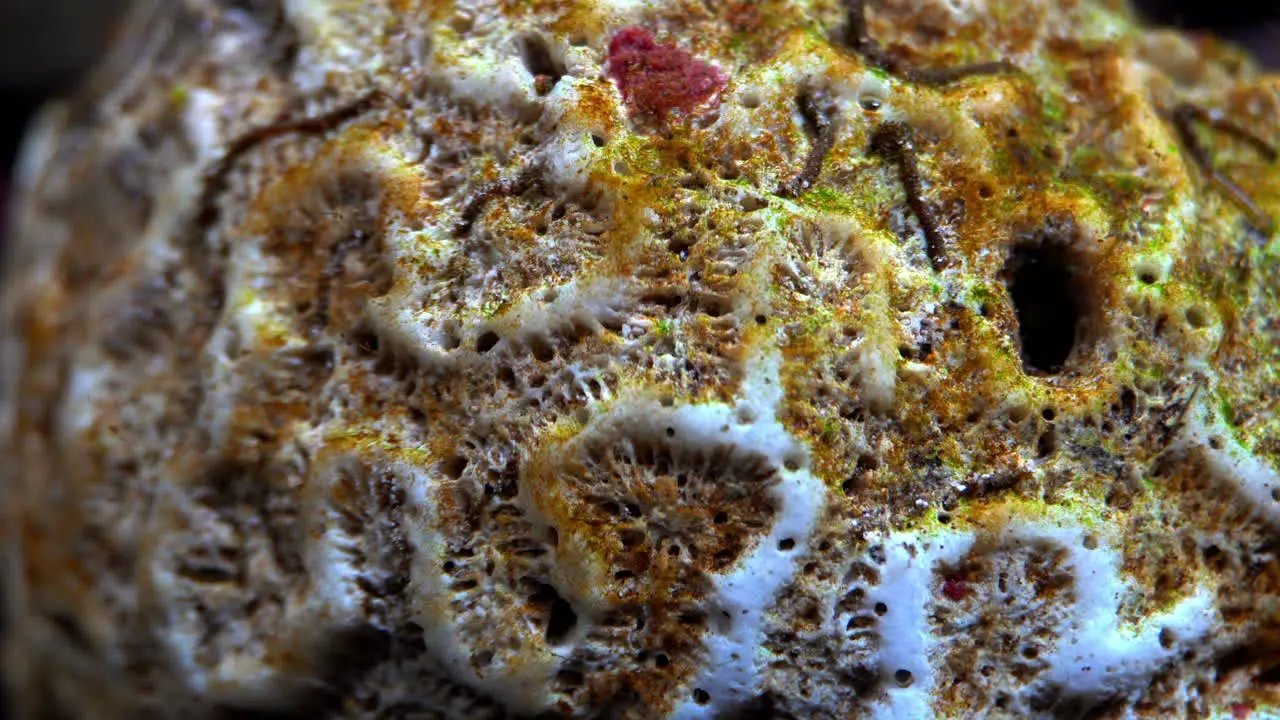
(646, 358)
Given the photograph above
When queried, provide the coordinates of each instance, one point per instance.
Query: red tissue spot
(1241, 711)
(656, 79)
(955, 588)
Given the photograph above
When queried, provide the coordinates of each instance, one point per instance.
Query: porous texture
(640, 359)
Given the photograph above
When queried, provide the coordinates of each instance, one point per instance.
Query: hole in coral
(1167, 638)
(1047, 443)
(561, 618)
(71, 629)
(680, 245)
(661, 660)
(453, 467)
(696, 618)
(1127, 405)
(786, 544)
(1048, 299)
(487, 340)
(720, 518)
(365, 341)
(700, 696)
(750, 99)
(1148, 273)
(713, 306)
(570, 678)
(1270, 676)
(859, 623)
(508, 377)
(597, 140)
(449, 338)
(631, 538)
(881, 609)
(542, 350)
(536, 54)
(903, 677)
(1197, 317)
(1048, 414)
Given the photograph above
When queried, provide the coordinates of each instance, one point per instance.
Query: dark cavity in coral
(1049, 302)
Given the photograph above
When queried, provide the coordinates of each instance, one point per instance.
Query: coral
(686, 358)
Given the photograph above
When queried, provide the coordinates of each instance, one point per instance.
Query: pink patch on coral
(657, 79)
(955, 589)
(1241, 711)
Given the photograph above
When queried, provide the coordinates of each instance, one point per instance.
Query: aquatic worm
(894, 142)
(821, 130)
(215, 177)
(506, 187)
(858, 38)
(1184, 117)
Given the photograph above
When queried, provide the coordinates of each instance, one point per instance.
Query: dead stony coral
(605, 359)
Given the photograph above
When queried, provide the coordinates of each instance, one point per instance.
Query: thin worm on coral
(1184, 116)
(893, 141)
(822, 133)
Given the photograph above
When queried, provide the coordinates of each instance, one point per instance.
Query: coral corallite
(646, 359)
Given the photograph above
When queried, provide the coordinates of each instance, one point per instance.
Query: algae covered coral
(646, 358)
